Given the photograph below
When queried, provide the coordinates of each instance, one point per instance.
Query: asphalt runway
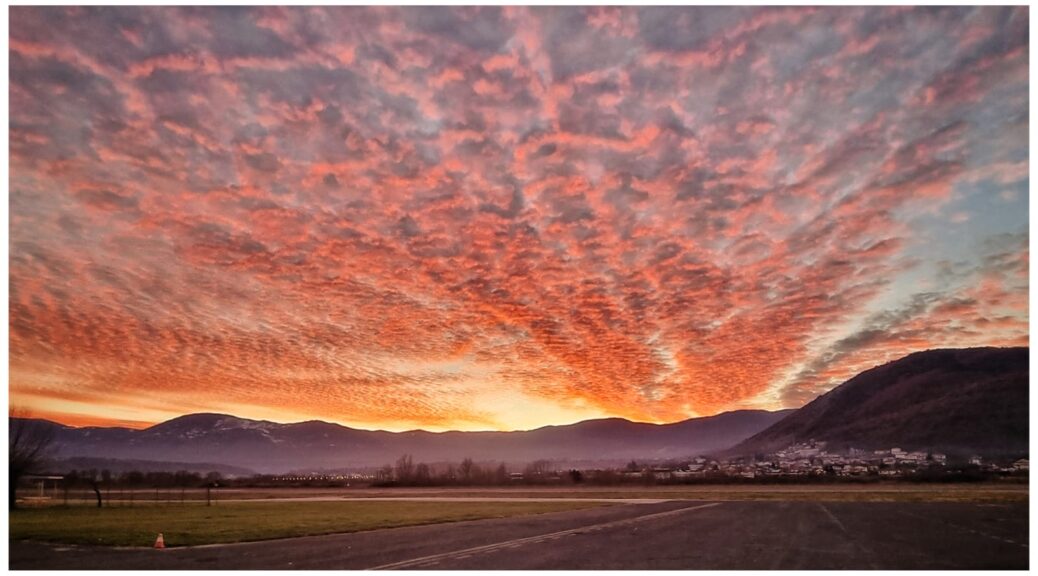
(679, 535)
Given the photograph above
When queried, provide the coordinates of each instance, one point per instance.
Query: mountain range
(955, 401)
(959, 402)
(270, 447)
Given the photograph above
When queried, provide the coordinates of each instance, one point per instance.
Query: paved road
(666, 535)
(453, 499)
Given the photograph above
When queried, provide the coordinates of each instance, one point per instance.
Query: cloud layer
(505, 217)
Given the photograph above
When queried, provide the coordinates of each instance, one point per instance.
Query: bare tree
(96, 487)
(538, 468)
(422, 474)
(28, 444)
(404, 468)
(467, 467)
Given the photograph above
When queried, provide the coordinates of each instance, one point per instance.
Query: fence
(118, 496)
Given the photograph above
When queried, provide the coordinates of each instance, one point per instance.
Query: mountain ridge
(267, 446)
(618, 419)
(958, 401)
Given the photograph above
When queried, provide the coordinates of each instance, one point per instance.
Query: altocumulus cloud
(505, 217)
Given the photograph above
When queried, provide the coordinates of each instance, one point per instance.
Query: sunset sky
(502, 218)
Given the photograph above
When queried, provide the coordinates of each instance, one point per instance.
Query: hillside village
(808, 460)
(812, 459)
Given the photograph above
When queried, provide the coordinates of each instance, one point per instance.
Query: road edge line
(519, 541)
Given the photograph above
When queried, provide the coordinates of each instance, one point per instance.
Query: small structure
(41, 483)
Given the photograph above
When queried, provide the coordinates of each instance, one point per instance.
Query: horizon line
(222, 414)
(144, 425)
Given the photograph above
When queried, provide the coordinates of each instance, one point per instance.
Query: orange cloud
(406, 217)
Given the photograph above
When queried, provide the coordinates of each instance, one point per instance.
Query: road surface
(681, 535)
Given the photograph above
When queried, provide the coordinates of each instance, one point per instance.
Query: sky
(501, 218)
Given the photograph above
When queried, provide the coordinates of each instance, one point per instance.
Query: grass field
(194, 524)
(983, 492)
(243, 515)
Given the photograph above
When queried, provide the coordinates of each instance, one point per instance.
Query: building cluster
(1021, 465)
(813, 459)
(319, 477)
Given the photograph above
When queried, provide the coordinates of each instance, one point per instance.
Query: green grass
(194, 524)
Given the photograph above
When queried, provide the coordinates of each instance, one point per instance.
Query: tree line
(407, 472)
(139, 479)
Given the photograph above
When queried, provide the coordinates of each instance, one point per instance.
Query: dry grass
(835, 492)
(192, 524)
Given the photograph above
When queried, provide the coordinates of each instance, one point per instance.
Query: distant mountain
(954, 401)
(273, 448)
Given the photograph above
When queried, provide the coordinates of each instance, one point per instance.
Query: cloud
(392, 216)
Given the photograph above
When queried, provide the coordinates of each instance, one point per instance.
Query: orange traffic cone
(159, 542)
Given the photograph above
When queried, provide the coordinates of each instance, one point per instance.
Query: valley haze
(270, 447)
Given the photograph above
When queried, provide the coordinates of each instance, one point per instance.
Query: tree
(538, 468)
(466, 469)
(28, 444)
(422, 474)
(92, 480)
(133, 478)
(404, 468)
